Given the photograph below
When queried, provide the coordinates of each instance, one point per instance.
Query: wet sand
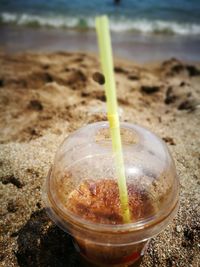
(43, 98)
(128, 45)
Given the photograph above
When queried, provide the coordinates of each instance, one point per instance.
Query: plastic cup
(82, 198)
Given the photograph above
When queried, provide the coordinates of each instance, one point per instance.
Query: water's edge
(128, 45)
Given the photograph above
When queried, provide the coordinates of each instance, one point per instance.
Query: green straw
(102, 28)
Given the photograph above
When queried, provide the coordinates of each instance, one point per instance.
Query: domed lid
(83, 183)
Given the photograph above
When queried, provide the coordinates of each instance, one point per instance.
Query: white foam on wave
(8, 17)
(26, 19)
(116, 24)
(156, 26)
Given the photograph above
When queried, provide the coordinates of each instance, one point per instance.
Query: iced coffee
(82, 194)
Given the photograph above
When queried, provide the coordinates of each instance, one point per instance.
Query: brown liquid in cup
(98, 202)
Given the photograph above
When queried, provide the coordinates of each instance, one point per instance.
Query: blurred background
(143, 31)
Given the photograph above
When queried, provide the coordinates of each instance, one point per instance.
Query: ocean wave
(120, 24)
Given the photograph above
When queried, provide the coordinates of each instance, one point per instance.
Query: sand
(45, 97)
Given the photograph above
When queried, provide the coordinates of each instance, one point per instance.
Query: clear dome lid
(82, 185)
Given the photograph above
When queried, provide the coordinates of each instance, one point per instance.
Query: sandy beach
(46, 96)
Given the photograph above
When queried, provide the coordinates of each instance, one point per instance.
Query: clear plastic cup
(82, 197)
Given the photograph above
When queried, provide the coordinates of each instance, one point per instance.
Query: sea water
(179, 17)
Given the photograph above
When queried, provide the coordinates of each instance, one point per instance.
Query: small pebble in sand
(169, 140)
(193, 70)
(1, 82)
(150, 89)
(187, 105)
(178, 228)
(99, 78)
(170, 97)
(35, 105)
(12, 206)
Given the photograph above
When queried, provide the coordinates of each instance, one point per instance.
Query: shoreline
(141, 48)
